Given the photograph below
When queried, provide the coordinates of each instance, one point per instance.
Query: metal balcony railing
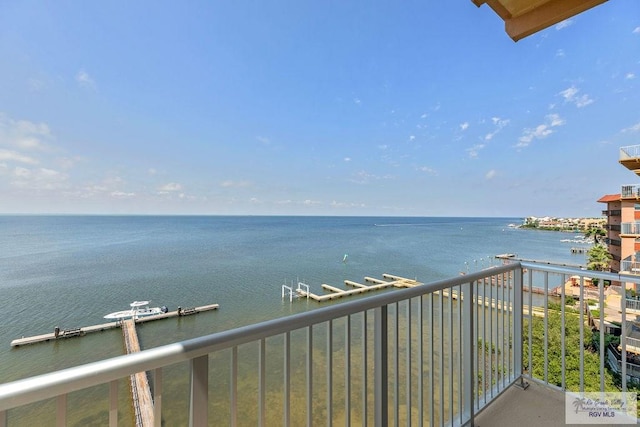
(630, 228)
(629, 152)
(631, 267)
(631, 191)
(436, 353)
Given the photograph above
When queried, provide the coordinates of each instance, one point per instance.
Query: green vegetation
(571, 357)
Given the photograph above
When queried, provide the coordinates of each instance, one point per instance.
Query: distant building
(623, 219)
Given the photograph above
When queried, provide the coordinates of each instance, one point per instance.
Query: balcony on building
(454, 352)
(630, 192)
(630, 158)
(630, 229)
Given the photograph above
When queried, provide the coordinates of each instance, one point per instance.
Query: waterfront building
(623, 219)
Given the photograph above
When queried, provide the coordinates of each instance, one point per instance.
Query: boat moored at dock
(138, 309)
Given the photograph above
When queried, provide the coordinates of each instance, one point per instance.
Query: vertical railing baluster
(3, 418)
(198, 407)
(157, 397)
(408, 363)
(113, 403)
(287, 379)
(581, 334)
(381, 344)
(347, 372)
(365, 383)
(461, 347)
(601, 327)
(430, 352)
(262, 383)
(420, 362)
(510, 289)
(61, 410)
(530, 333)
(501, 343)
(234, 386)
(396, 367)
(468, 355)
(451, 353)
(329, 373)
(563, 321)
(309, 376)
(518, 314)
(623, 337)
(441, 374)
(546, 327)
(493, 345)
(484, 308)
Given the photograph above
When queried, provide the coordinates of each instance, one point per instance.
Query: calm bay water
(69, 271)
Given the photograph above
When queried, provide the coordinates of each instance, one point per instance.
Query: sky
(289, 107)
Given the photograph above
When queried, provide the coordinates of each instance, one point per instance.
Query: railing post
(198, 410)
(518, 313)
(468, 356)
(113, 403)
(381, 366)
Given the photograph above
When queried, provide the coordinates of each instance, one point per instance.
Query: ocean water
(69, 271)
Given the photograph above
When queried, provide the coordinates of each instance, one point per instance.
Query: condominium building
(623, 218)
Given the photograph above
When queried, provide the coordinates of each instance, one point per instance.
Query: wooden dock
(140, 390)
(78, 332)
(359, 288)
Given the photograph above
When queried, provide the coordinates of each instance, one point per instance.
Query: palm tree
(598, 259)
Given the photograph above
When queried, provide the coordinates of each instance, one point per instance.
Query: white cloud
(17, 157)
(263, 139)
(500, 124)
(560, 53)
(84, 80)
(231, 184)
(636, 30)
(464, 126)
(310, 202)
(428, 170)
(412, 137)
(571, 95)
(541, 131)
(634, 128)
(473, 151)
(23, 134)
(491, 174)
(347, 159)
(172, 186)
(357, 101)
(555, 120)
(122, 194)
(564, 24)
(39, 179)
(630, 76)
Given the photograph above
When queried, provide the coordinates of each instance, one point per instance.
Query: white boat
(138, 309)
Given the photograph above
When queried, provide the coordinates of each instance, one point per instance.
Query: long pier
(359, 288)
(140, 390)
(78, 332)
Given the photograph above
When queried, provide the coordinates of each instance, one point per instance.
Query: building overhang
(525, 17)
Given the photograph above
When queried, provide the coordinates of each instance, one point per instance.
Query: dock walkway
(140, 390)
(359, 288)
(78, 332)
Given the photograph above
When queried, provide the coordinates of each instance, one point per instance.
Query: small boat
(138, 309)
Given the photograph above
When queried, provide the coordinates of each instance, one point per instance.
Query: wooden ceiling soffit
(521, 21)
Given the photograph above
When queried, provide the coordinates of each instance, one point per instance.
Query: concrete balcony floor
(537, 406)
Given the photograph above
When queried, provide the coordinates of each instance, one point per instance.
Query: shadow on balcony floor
(536, 406)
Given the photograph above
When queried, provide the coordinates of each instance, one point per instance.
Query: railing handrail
(44, 386)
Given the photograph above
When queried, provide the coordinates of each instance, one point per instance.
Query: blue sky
(412, 108)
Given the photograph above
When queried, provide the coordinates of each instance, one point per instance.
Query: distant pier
(78, 332)
(302, 290)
